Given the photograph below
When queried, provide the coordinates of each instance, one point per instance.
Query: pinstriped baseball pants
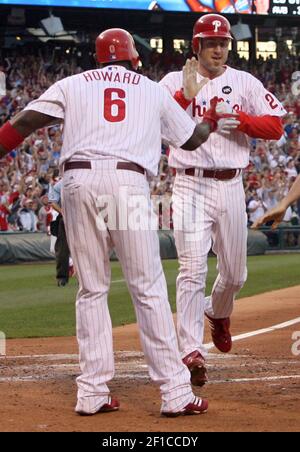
(207, 213)
(138, 252)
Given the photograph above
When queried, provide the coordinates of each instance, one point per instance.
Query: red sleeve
(181, 100)
(266, 127)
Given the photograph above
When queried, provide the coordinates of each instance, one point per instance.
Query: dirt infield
(255, 388)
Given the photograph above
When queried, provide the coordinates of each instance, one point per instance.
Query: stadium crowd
(27, 173)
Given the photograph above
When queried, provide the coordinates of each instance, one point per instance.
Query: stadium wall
(33, 247)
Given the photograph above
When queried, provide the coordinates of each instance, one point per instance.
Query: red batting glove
(211, 117)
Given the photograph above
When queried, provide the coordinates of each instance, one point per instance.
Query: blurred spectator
(4, 213)
(45, 215)
(27, 219)
(255, 208)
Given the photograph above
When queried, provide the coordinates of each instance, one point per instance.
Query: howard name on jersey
(241, 92)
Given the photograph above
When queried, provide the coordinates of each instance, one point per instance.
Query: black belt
(130, 166)
(217, 174)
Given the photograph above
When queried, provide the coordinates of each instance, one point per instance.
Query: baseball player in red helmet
(209, 187)
(113, 120)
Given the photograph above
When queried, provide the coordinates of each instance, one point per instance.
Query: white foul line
(116, 281)
(253, 380)
(258, 332)
(33, 378)
(209, 346)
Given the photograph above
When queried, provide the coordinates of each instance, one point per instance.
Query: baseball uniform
(209, 211)
(113, 120)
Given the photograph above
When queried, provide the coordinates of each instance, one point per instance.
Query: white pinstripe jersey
(241, 91)
(114, 112)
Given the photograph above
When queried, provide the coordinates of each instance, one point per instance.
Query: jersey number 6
(114, 106)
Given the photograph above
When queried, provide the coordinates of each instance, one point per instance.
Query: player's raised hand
(191, 86)
(276, 215)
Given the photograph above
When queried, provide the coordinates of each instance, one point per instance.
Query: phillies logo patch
(112, 51)
(217, 24)
(226, 90)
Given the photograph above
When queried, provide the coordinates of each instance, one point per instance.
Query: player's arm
(266, 127)
(45, 111)
(200, 135)
(13, 132)
(264, 113)
(277, 214)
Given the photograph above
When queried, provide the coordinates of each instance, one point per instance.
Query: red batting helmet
(210, 26)
(114, 45)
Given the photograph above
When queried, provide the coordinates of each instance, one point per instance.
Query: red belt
(130, 166)
(225, 174)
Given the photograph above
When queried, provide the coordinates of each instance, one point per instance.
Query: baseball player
(277, 214)
(113, 119)
(209, 184)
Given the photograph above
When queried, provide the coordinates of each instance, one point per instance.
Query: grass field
(31, 305)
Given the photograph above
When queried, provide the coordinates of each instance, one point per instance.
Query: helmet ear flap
(196, 45)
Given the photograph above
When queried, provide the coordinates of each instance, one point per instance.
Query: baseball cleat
(62, 282)
(198, 406)
(220, 333)
(111, 405)
(196, 365)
